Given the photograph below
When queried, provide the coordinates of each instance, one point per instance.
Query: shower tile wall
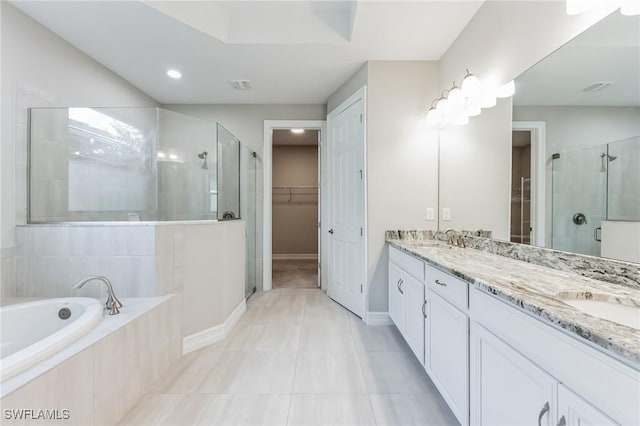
(579, 186)
(624, 180)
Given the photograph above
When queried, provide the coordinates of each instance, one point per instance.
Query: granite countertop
(539, 290)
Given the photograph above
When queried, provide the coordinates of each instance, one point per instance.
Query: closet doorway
(295, 208)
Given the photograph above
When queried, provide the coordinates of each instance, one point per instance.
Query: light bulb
(442, 106)
(473, 107)
(471, 86)
(630, 7)
(456, 99)
(488, 99)
(506, 90)
(461, 119)
(433, 117)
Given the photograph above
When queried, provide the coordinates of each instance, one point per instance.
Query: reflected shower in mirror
(580, 106)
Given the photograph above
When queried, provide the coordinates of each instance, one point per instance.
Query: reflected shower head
(612, 157)
(203, 156)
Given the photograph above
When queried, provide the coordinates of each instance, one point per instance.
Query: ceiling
(292, 51)
(608, 51)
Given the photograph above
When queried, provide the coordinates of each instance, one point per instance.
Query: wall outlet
(446, 213)
(430, 213)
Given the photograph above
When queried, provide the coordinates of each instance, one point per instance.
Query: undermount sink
(611, 311)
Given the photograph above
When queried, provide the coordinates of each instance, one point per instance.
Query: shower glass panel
(248, 206)
(127, 164)
(579, 190)
(623, 165)
(89, 164)
(228, 175)
(186, 162)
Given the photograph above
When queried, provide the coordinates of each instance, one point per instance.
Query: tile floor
(295, 274)
(297, 358)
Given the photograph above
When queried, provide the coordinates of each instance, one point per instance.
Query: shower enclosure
(139, 164)
(591, 185)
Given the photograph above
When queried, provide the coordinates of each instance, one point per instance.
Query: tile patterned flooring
(295, 274)
(297, 358)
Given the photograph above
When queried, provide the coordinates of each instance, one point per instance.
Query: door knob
(331, 231)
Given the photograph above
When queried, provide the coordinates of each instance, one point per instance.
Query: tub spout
(112, 304)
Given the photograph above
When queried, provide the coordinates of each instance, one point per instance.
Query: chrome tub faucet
(112, 304)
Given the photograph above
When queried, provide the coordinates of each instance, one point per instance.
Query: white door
(575, 411)
(507, 388)
(345, 205)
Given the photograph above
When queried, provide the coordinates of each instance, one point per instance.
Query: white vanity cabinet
(575, 411)
(406, 298)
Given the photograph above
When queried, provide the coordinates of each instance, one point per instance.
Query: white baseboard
(295, 257)
(378, 318)
(211, 335)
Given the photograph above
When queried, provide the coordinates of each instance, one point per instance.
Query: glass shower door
(248, 206)
(579, 200)
(623, 165)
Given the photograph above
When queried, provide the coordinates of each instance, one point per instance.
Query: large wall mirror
(575, 150)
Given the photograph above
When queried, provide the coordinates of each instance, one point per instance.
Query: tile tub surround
(609, 270)
(537, 290)
(102, 375)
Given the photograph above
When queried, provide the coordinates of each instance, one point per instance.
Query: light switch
(430, 213)
(446, 213)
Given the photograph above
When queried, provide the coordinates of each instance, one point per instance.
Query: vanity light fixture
(175, 74)
(161, 155)
(630, 7)
(456, 105)
(627, 7)
(506, 90)
(297, 131)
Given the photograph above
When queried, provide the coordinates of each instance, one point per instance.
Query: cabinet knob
(424, 304)
(545, 409)
(441, 283)
(400, 285)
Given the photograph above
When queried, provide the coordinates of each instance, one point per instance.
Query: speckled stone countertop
(538, 290)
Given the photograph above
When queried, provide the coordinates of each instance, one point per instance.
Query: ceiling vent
(240, 84)
(597, 86)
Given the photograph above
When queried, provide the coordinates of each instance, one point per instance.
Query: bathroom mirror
(574, 183)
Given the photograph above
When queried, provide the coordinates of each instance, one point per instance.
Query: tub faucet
(112, 304)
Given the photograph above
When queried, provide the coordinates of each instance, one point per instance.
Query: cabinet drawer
(408, 263)
(449, 287)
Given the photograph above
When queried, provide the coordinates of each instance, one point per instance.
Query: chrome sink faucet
(455, 239)
(112, 304)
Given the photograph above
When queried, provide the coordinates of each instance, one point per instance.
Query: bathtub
(35, 330)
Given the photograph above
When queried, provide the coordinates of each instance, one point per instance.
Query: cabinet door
(414, 319)
(396, 299)
(507, 388)
(448, 358)
(573, 410)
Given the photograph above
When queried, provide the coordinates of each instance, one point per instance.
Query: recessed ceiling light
(174, 74)
(297, 131)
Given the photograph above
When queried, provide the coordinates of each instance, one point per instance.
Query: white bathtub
(33, 331)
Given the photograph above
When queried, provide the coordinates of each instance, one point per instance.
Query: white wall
(475, 172)
(246, 122)
(401, 157)
(571, 128)
(41, 69)
(356, 81)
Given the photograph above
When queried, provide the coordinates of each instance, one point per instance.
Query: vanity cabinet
(495, 364)
(406, 299)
